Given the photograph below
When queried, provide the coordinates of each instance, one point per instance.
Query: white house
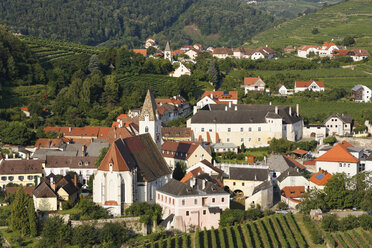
(359, 54)
(222, 52)
(319, 179)
(308, 85)
(361, 93)
(315, 131)
(341, 158)
(253, 84)
(217, 97)
(263, 53)
(251, 125)
(181, 70)
(192, 53)
(283, 90)
(206, 167)
(263, 194)
(304, 51)
(327, 49)
(339, 124)
(291, 177)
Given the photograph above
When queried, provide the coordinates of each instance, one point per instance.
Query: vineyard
(273, 231)
(48, 51)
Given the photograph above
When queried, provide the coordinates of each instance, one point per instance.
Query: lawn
(15, 239)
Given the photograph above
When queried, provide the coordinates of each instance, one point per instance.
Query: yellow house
(22, 172)
(186, 152)
(243, 179)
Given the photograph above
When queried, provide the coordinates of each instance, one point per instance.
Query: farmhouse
(180, 71)
(361, 93)
(263, 53)
(327, 49)
(253, 84)
(22, 172)
(305, 50)
(217, 97)
(308, 85)
(339, 124)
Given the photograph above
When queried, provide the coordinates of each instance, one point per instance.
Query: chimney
(290, 110)
(211, 95)
(276, 110)
(69, 129)
(298, 109)
(270, 103)
(236, 108)
(83, 150)
(225, 108)
(75, 180)
(28, 156)
(229, 104)
(13, 155)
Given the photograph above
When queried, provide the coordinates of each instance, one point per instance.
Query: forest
(118, 22)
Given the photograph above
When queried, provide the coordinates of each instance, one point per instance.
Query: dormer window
(80, 163)
(86, 163)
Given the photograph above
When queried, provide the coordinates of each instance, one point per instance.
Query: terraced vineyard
(48, 51)
(356, 238)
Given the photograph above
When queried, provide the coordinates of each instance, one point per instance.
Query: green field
(273, 231)
(353, 18)
(48, 51)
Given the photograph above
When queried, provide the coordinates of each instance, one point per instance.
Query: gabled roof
(300, 152)
(43, 190)
(136, 152)
(179, 149)
(222, 50)
(290, 172)
(221, 95)
(281, 163)
(338, 153)
(248, 174)
(306, 84)
(195, 172)
(321, 177)
(265, 185)
(293, 191)
(306, 47)
(10, 167)
(360, 52)
(13, 190)
(327, 45)
(252, 80)
(48, 143)
(216, 169)
(149, 108)
(343, 117)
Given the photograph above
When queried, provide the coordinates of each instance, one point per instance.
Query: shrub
(348, 223)
(330, 223)
(221, 237)
(238, 237)
(249, 236)
(145, 210)
(315, 234)
(330, 239)
(282, 205)
(365, 221)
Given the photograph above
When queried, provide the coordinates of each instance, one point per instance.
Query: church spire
(167, 47)
(168, 52)
(149, 108)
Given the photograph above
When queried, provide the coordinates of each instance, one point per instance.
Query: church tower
(149, 120)
(168, 52)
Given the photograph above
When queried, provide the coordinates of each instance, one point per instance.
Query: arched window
(146, 129)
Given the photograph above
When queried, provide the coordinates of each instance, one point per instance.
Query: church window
(187, 213)
(146, 129)
(183, 202)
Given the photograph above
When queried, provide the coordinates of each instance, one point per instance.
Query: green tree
(94, 65)
(84, 236)
(337, 195)
(32, 219)
(114, 234)
(330, 140)
(348, 41)
(186, 85)
(111, 92)
(330, 223)
(55, 233)
(179, 171)
(101, 156)
(214, 72)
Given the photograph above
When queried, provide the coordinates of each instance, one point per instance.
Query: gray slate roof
(215, 113)
(343, 117)
(248, 174)
(290, 172)
(279, 163)
(265, 185)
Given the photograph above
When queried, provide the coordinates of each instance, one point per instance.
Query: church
(133, 167)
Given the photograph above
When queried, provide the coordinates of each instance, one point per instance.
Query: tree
(94, 65)
(101, 156)
(315, 31)
(55, 233)
(337, 195)
(348, 41)
(179, 171)
(186, 85)
(214, 72)
(330, 223)
(111, 92)
(330, 140)
(84, 236)
(22, 215)
(113, 235)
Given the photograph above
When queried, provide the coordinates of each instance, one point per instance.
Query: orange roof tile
(250, 80)
(338, 153)
(113, 156)
(346, 144)
(47, 143)
(112, 203)
(141, 51)
(306, 47)
(233, 95)
(293, 191)
(24, 109)
(300, 152)
(327, 45)
(321, 177)
(195, 172)
(305, 84)
(122, 116)
(309, 162)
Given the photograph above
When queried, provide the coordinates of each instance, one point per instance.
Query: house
(206, 167)
(263, 194)
(253, 84)
(225, 147)
(359, 54)
(279, 164)
(180, 71)
(292, 195)
(52, 191)
(314, 131)
(83, 166)
(242, 53)
(197, 202)
(327, 49)
(198, 47)
(44, 143)
(193, 53)
(150, 42)
(251, 125)
(243, 179)
(131, 171)
(308, 85)
(283, 90)
(366, 163)
(304, 51)
(361, 93)
(319, 179)
(217, 97)
(177, 133)
(292, 177)
(341, 158)
(143, 52)
(339, 124)
(185, 152)
(222, 52)
(263, 53)
(25, 111)
(21, 172)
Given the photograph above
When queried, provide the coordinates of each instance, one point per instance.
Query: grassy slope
(353, 18)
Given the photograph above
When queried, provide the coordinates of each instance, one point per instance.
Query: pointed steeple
(149, 108)
(167, 47)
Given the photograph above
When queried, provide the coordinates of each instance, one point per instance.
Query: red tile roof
(293, 191)
(48, 143)
(250, 80)
(360, 52)
(122, 116)
(112, 203)
(223, 50)
(323, 178)
(295, 162)
(113, 157)
(306, 47)
(195, 172)
(232, 95)
(338, 153)
(300, 152)
(141, 51)
(24, 109)
(327, 45)
(309, 162)
(306, 84)
(347, 144)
